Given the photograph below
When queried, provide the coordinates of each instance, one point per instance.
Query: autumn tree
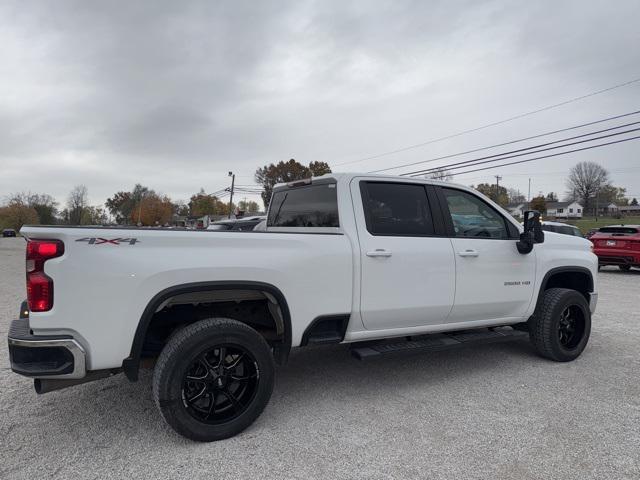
(44, 204)
(538, 203)
(76, 203)
(203, 203)
(154, 209)
(585, 180)
(15, 215)
(488, 189)
(284, 172)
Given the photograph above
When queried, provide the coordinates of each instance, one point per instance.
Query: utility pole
(233, 181)
(529, 194)
(498, 178)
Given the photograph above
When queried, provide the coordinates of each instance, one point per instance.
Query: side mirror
(532, 233)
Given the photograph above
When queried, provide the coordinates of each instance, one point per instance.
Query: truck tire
(213, 379)
(561, 325)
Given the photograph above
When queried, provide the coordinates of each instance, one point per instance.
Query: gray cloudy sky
(175, 94)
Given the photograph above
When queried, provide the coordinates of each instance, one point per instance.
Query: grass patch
(587, 223)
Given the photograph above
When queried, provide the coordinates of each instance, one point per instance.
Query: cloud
(174, 94)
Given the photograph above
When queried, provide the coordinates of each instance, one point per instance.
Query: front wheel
(213, 379)
(561, 325)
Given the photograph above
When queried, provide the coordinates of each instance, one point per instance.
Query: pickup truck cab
(387, 264)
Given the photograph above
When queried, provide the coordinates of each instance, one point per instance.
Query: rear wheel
(213, 379)
(624, 268)
(561, 325)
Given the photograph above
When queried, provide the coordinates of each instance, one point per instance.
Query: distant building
(516, 209)
(564, 209)
(631, 210)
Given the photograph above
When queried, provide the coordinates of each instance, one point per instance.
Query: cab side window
(396, 209)
(473, 217)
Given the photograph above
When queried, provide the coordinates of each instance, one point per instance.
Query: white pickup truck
(388, 264)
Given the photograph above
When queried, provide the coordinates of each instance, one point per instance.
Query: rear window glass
(312, 206)
(622, 230)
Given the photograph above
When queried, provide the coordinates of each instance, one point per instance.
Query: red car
(618, 245)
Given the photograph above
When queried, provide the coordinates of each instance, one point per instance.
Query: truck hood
(561, 240)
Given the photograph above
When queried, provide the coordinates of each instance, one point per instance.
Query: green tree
(248, 206)
(611, 194)
(284, 172)
(551, 197)
(121, 204)
(634, 202)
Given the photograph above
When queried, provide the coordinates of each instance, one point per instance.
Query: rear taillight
(39, 285)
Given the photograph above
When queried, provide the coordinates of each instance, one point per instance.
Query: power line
(511, 142)
(492, 124)
(551, 155)
(506, 155)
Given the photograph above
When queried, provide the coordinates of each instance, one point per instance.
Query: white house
(564, 209)
(516, 209)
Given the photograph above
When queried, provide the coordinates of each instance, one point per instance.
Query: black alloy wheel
(213, 379)
(220, 384)
(571, 327)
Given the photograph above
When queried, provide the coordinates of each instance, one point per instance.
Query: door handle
(469, 253)
(379, 252)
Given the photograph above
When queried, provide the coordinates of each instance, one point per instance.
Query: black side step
(434, 343)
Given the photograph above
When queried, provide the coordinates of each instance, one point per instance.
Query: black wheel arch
(131, 364)
(572, 277)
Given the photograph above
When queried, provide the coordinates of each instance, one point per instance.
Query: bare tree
(76, 204)
(585, 180)
(440, 174)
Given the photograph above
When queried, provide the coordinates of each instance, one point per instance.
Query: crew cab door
(493, 280)
(407, 265)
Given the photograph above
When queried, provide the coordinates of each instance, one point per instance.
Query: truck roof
(347, 176)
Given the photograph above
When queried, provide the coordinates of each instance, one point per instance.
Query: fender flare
(131, 364)
(556, 270)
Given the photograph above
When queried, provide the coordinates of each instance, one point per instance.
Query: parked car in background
(8, 232)
(244, 224)
(563, 228)
(618, 245)
(591, 233)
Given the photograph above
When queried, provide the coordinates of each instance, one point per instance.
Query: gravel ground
(486, 412)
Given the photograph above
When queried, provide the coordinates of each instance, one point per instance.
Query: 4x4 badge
(112, 241)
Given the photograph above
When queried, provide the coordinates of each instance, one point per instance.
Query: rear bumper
(617, 257)
(44, 356)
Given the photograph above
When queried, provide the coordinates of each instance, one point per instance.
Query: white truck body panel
(425, 285)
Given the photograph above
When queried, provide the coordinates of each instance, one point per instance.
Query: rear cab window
(313, 206)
